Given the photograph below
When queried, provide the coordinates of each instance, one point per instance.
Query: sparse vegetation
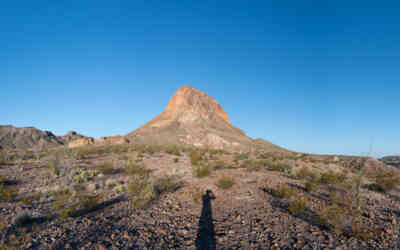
(279, 167)
(134, 169)
(195, 157)
(332, 178)
(105, 168)
(240, 157)
(203, 171)
(110, 183)
(195, 193)
(167, 185)
(385, 181)
(298, 206)
(285, 191)
(225, 182)
(139, 191)
(311, 186)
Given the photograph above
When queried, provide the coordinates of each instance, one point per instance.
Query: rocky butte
(194, 118)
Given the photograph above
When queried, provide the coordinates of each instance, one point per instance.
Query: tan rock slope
(195, 119)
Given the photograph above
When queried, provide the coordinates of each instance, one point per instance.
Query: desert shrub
(285, 191)
(251, 165)
(173, 150)
(133, 169)
(7, 193)
(195, 157)
(279, 167)
(176, 160)
(87, 202)
(218, 165)
(140, 192)
(240, 157)
(332, 178)
(105, 168)
(167, 185)
(80, 175)
(311, 186)
(305, 174)
(385, 182)
(81, 153)
(225, 182)
(333, 217)
(195, 193)
(203, 171)
(120, 188)
(298, 206)
(61, 199)
(55, 165)
(110, 183)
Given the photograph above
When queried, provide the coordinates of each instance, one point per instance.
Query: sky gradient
(311, 76)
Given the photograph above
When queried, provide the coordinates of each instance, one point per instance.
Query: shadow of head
(209, 195)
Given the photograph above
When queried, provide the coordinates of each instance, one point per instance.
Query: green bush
(385, 182)
(298, 206)
(240, 157)
(311, 186)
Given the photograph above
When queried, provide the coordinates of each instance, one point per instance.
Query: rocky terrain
(189, 179)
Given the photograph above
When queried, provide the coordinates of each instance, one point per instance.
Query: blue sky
(312, 76)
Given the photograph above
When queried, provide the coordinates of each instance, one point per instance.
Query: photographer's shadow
(206, 234)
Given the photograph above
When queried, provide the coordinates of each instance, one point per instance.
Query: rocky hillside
(13, 138)
(391, 160)
(193, 118)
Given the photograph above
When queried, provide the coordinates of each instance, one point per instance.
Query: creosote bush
(139, 191)
(311, 186)
(225, 182)
(195, 157)
(279, 167)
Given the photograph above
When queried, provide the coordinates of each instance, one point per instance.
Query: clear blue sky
(312, 76)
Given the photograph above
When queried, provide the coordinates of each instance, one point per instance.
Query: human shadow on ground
(206, 235)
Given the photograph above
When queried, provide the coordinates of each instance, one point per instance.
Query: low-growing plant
(331, 177)
(173, 150)
(134, 169)
(332, 216)
(55, 165)
(385, 181)
(88, 202)
(203, 171)
(105, 168)
(298, 206)
(176, 160)
(139, 191)
(80, 175)
(110, 183)
(7, 193)
(306, 174)
(195, 157)
(225, 182)
(311, 186)
(195, 193)
(285, 191)
(167, 185)
(279, 167)
(240, 157)
(120, 188)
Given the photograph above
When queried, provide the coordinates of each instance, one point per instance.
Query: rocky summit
(193, 118)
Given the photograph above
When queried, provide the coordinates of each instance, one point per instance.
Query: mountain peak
(190, 104)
